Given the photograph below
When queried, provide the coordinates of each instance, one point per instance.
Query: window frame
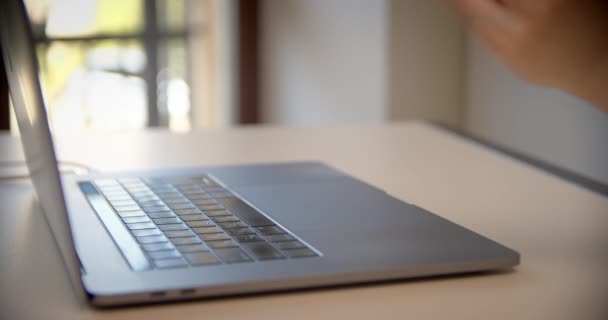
(151, 36)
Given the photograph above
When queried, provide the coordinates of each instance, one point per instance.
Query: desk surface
(560, 229)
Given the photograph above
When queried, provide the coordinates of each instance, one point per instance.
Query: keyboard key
(158, 246)
(170, 263)
(190, 211)
(300, 253)
(123, 203)
(186, 240)
(175, 200)
(194, 217)
(201, 258)
(138, 189)
(151, 203)
(179, 233)
(204, 201)
(126, 208)
(262, 250)
(165, 192)
(221, 244)
(192, 248)
(193, 192)
(232, 255)
(202, 223)
(161, 221)
(280, 237)
(168, 194)
(127, 214)
(139, 226)
(185, 186)
(290, 245)
(207, 230)
(214, 236)
(109, 187)
(173, 227)
(146, 232)
(223, 219)
(200, 197)
(210, 207)
(142, 195)
(136, 219)
(141, 191)
(232, 225)
(156, 209)
(118, 197)
(163, 214)
(176, 206)
(149, 199)
(270, 230)
(250, 215)
(159, 255)
(114, 192)
(160, 187)
(111, 190)
(240, 231)
(195, 224)
(248, 238)
(218, 213)
(151, 239)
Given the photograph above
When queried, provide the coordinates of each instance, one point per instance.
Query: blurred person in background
(554, 43)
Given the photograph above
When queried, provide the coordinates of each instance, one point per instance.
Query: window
(117, 64)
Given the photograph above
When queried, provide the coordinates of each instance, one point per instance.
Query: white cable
(78, 169)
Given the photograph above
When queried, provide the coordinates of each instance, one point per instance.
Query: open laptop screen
(22, 74)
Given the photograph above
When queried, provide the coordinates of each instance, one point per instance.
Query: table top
(560, 229)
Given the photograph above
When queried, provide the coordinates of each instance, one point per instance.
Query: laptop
(165, 235)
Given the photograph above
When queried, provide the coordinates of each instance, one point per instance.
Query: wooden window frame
(248, 61)
(5, 118)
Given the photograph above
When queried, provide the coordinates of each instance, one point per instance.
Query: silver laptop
(207, 232)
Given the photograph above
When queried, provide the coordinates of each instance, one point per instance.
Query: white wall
(360, 61)
(426, 69)
(364, 61)
(544, 123)
(323, 61)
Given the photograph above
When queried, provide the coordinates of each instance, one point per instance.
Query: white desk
(560, 229)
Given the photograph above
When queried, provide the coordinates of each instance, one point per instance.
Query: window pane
(94, 84)
(94, 64)
(76, 18)
(174, 91)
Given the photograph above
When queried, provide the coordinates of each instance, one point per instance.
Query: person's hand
(556, 43)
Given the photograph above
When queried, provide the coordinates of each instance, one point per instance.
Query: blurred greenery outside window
(115, 64)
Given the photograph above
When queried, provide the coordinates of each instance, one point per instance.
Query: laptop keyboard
(194, 221)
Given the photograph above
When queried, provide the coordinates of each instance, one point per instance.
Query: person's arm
(555, 43)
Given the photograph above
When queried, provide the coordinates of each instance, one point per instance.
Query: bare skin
(554, 43)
